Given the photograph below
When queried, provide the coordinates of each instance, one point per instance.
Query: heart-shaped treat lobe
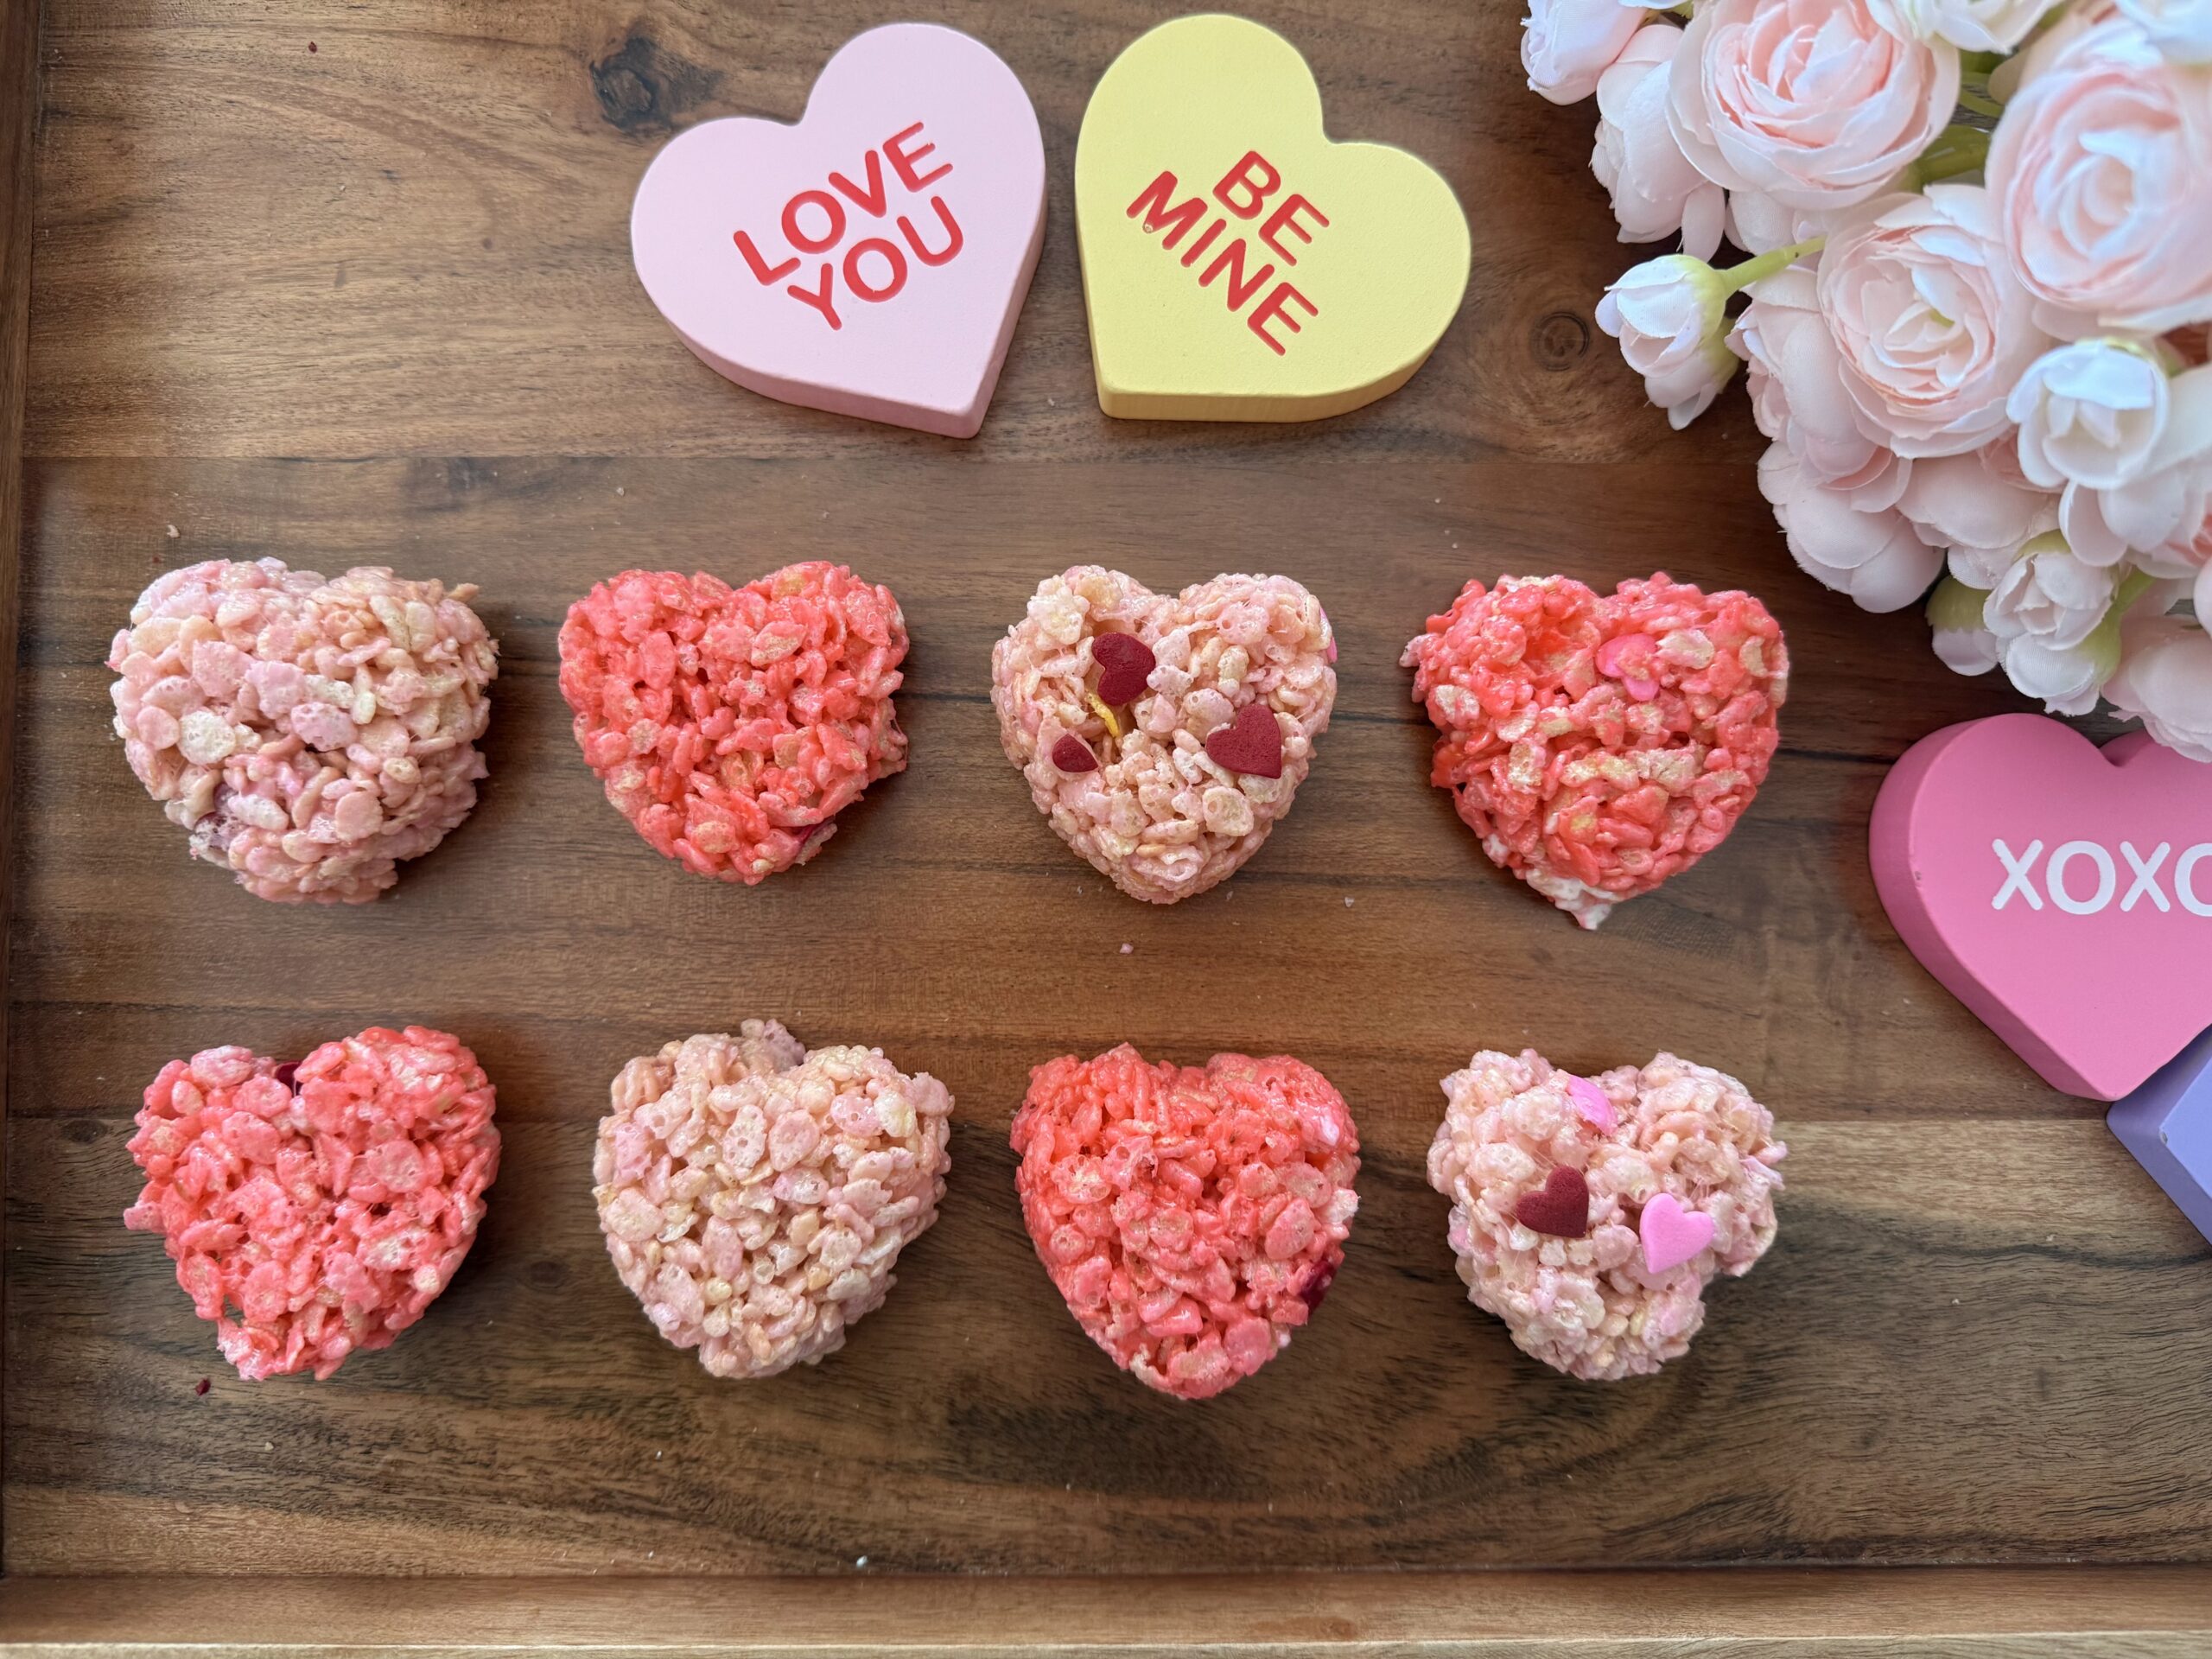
(1598, 744)
(730, 725)
(1236, 264)
(871, 260)
(1193, 1217)
(755, 1195)
(315, 1214)
(1192, 766)
(1690, 1160)
(310, 734)
(2061, 892)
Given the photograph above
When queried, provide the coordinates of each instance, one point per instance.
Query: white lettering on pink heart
(2020, 870)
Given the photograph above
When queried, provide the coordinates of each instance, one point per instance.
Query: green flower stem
(1765, 264)
(1957, 150)
(1978, 98)
(1954, 605)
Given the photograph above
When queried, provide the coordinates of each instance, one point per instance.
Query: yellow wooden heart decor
(1238, 265)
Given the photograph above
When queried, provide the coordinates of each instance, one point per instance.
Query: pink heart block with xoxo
(2062, 892)
(871, 260)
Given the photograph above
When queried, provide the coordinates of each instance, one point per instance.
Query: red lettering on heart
(1250, 743)
(1559, 1207)
(1072, 755)
(1242, 192)
(1125, 663)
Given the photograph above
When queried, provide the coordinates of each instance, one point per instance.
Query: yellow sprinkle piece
(1113, 726)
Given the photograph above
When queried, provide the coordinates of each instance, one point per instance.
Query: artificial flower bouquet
(1975, 299)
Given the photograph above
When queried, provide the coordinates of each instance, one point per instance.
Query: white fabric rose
(1811, 101)
(1877, 556)
(2067, 679)
(1655, 190)
(2151, 511)
(1567, 44)
(2092, 413)
(1667, 314)
(2164, 680)
(2181, 29)
(1797, 395)
(2049, 594)
(1970, 25)
(2185, 554)
(2101, 170)
(1931, 328)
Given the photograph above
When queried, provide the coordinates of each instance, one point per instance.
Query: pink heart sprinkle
(1671, 1233)
(1072, 755)
(1623, 658)
(1251, 743)
(1125, 664)
(1590, 1101)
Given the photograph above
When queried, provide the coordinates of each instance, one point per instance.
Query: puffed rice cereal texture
(311, 734)
(731, 725)
(1192, 1216)
(1599, 746)
(755, 1195)
(316, 1210)
(1588, 1306)
(1158, 815)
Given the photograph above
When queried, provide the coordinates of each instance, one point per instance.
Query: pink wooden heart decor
(2062, 892)
(870, 260)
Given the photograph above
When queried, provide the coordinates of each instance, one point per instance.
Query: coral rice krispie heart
(1163, 737)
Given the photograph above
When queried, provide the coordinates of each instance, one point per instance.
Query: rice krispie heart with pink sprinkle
(1590, 1213)
(310, 734)
(1163, 737)
(1599, 745)
(731, 725)
(755, 1196)
(327, 1202)
(1193, 1217)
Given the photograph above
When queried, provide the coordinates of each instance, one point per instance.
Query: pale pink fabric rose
(2164, 680)
(2067, 679)
(1976, 510)
(2049, 594)
(1567, 44)
(1811, 101)
(2101, 169)
(1655, 190)
(1760, 224)
(1667, 314)
(2184, 556)
(1797, 395)
(1970, 25)
(2202, 595)
(1877, 557)
(1930, 326)
(2093, 411)
(2146, 513)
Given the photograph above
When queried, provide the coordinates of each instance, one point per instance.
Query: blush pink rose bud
(1667, 314)
(1811, 101)
(2101, 171)
(2164, 680)
(1656, 192)
(1930, 326)
(1567, 44)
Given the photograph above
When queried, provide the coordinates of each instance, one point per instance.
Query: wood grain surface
(372, 303)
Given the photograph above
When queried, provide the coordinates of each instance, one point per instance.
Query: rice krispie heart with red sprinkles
(1192, 1216)
(755, 1195)
(1163, 737)
(1599, 745)
(328, 1202)
(730, 725)
(1590, 1213)
(310, 734)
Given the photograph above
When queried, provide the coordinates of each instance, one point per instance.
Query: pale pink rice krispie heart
(311, 734)
(1590, 1213)
(1163, 737)
(755, 1196)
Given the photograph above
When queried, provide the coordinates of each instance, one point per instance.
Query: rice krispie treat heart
(1590, 1213)
(328, 1202)
(1162, 737)
(755, 1196)
(1192, 1216)
(1599, 746)
(310, 734)
(731, 725)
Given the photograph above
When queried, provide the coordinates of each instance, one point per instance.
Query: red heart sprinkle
(1561, 1208)
(1125, 663)
(1072, 753)
(1250, 743)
